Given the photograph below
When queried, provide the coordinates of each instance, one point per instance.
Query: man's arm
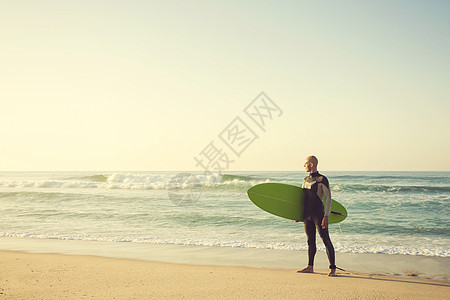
(327, 194)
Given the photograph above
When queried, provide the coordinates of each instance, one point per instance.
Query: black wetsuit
(316, 187)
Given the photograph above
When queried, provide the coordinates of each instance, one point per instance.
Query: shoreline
(55, 276)
(400, 266)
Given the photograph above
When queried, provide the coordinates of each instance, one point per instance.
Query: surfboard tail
(338, 213)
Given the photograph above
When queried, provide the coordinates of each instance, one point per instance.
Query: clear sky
(148, 85)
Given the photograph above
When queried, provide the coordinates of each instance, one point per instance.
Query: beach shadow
(389, 279)
(365, 277)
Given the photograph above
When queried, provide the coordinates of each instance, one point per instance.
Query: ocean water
(388, 212)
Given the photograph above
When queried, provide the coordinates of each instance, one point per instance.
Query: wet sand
(54, 276)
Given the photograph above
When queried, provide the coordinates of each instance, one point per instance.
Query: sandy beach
(55, 276)
(180, 149)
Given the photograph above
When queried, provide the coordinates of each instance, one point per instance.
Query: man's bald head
(311, 164)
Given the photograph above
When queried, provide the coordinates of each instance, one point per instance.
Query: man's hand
(325, 222)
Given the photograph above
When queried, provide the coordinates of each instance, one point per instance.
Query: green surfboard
(286, 201)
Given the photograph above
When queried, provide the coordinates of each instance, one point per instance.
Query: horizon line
(215, 172)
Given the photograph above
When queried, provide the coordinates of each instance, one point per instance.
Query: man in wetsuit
(315, 214)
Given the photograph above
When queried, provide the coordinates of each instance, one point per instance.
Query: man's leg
(310, 230)
(324, 234)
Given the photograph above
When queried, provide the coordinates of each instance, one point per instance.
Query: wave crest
(141, 182)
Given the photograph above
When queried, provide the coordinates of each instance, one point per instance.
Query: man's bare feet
(332, 273)
(308, 269)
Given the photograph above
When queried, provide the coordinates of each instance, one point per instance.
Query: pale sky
(148, 85)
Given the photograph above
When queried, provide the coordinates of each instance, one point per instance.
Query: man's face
(308, 165)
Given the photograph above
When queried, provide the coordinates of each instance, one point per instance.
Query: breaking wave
(142, 181)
